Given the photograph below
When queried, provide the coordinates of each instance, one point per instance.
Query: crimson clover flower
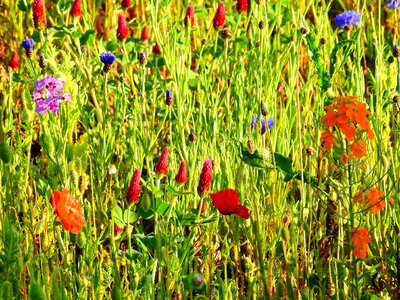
(49, 94)
(227, 203)
(181, 177)
(219, 18)
(134, 187)
(205, 177)
(161, 167)
(189, 16)
(347, 19)
(393, 4)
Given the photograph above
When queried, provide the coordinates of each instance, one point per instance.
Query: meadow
(199, 149)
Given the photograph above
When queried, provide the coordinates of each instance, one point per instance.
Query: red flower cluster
(123, 30)
(227, 203)
(181, 177)
(219, 18)
(360, 239)
(68, 210)
(372, 199)
(134, 188)
(161, 167)
(205, 177)
(76, 8)
(14, 63)
(189, 17)
(145, 34)
(347, 113)
(39, 14)
(241, 6)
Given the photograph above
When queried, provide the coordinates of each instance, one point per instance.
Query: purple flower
(49, 94)
(393, 4)
(263, 125)
(270, 123)
(347, 19)
(168, 97)
(253, 123)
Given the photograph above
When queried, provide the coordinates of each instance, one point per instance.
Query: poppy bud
(39, 14)
(145, 34)
(161, 167)
(123, 30)
(241, 6)
(134, 188)
(76, 8)
(189, 16)
(181, 176)
(42, 62)
(219, 18)
(205, 177)
(14, 63)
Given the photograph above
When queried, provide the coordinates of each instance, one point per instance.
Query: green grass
(296, 243)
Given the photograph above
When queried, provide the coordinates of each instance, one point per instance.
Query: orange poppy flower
(327, 139)
(374, 198)
(68, 210)
(360, 240)
(358, 149)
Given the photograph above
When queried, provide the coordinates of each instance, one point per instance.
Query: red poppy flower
(68, 209)
(227, 203)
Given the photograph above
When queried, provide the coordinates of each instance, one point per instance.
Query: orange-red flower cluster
(372, 199)
(350, 116)
(360, 239)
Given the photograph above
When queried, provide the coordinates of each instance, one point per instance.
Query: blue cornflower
(347, 19)
(168, 97)
(393, 4)
(27, 44)
(107, 59)
(270, 123)
(263, 125)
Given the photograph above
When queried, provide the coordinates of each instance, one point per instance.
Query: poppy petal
(226, 201)
(242, 211)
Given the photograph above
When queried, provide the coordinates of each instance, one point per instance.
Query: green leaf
(255, 159)
(23, 5)
(111, 46)
(162, 206)
(77, 34)
(130, 216)
(118, 216)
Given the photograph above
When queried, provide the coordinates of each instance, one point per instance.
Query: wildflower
(68, 209)
(347, 19)
(358, 149)
(161, 167)
(27, 44)
(142, 58)
(125, 3)
(39, 14)
(107, 59)
(227, 203)
(205, 177)
(49, 94)
(133, 193)
(241, 6)
(327, 140)
(374, 199)
(168, 97)
(123, 30)
(253, 123)
(189, 16)
(156, 49)
(219, 18)
(181, 176)
(42, 62)
(14, 63)
(118, 230)
(263, 125)
(393, 4)
(76, 8)
(145, 34)
(360, 239)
